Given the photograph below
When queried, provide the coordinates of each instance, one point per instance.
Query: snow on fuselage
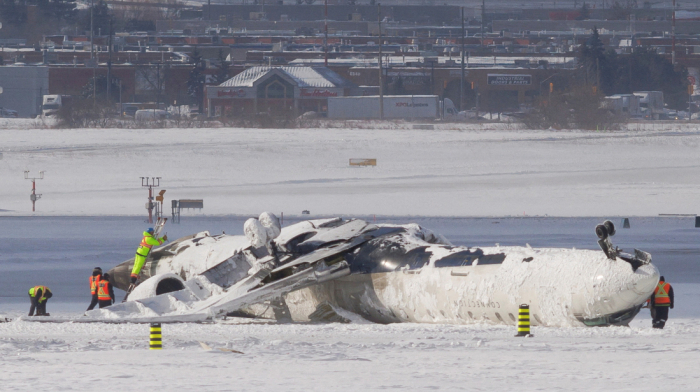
(412, 275)
(563, 287)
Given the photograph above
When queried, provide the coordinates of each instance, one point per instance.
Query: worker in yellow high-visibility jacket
(147, 243)
(38, 296)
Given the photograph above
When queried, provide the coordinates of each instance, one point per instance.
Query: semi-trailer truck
(406, 107)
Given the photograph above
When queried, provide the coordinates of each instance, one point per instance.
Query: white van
(151, 115)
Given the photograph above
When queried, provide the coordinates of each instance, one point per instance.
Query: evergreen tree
(100, 18)
(195, 83)
(592, 57)
(642, 70)
(222, 69)
(12, 13)
(59, 9)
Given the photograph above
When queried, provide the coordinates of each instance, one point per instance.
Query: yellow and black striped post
(524, 321)
(156, 340)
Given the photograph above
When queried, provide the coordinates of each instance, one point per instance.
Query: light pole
(33, 196)
(150, 182)
(381, 73)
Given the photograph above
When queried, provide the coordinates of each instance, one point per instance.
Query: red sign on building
(316, 93)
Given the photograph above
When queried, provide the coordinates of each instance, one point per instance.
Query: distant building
(277, 90)
(23, 88)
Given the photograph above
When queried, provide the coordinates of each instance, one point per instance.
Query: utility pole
(483, 16)
(92, 56)
(673, 35)
(33, 196)
(381, 73)
(121, 108)
(150, 182)
(461, 79)
(109, 63)
(92, 29)
(325, 34)
(691, 88)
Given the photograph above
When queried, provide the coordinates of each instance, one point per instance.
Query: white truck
(151, 115)
(406, 107)
(52, 104)
(651, 103)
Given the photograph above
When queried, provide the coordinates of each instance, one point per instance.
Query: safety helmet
(150, 230)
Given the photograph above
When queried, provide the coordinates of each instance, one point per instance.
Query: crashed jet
(331, 269)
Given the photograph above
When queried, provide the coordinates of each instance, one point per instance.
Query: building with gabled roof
(279, 91)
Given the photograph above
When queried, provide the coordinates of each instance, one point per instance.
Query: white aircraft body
(330, 269)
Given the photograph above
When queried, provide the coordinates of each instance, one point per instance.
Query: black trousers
(105, 303)
(93, 302)
(39, 306)
(660, 317)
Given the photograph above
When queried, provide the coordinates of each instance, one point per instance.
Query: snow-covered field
(354, 357)
(448, 173)
(429, 173)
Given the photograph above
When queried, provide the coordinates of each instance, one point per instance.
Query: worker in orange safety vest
(94, 279)
(105, 292)
(661, 301)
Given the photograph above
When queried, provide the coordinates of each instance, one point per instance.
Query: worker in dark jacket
(94, 279)
(661, 301)
(105, 292)
(38, 296)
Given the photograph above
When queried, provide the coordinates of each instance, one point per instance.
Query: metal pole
(381, 76)
(92, 29)
(325, 36)
(92, 56)
(109, 64)
(673, 35)
(33, 194)
(150, 204)
(483, 14)
(461, 79)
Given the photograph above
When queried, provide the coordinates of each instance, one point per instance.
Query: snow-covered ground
(355, 357)
(61, 251)
(449, 173)
(431, 173)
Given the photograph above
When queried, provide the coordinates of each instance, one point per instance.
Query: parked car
(8, 113)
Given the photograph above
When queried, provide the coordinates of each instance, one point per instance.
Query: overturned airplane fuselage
(387, 273)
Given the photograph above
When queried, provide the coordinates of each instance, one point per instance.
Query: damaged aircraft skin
(384, 273)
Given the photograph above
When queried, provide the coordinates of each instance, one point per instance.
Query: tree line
(642, 70)
(31, 19)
